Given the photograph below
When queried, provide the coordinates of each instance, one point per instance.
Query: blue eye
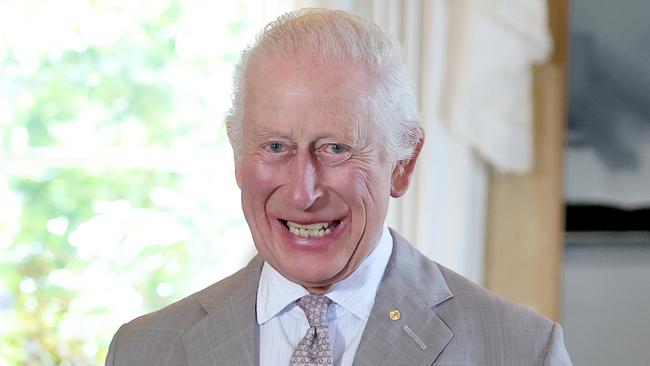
(337, 149)
(276, 147)
(333, 153)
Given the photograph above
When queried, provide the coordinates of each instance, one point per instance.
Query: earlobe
(403, 171)
(399, 180)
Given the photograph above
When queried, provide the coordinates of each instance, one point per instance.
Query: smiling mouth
(318, 229)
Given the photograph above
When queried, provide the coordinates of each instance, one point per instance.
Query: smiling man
(324, 132)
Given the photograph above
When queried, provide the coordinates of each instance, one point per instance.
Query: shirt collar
(355, 293)
(274, 293)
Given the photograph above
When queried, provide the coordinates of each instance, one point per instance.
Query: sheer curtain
(471, 62)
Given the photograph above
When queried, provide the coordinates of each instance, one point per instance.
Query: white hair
(334, 37)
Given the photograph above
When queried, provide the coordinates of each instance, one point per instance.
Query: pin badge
(394, 314)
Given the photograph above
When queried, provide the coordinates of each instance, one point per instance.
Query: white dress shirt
(283, 324)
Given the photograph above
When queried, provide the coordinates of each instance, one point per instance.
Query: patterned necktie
(314, 348)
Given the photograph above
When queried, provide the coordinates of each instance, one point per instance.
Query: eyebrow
(262, 129)
(264, 134)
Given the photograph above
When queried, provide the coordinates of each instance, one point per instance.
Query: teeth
(316, 226)
(311, 230)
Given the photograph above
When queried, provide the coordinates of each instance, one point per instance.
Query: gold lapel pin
(394, 314)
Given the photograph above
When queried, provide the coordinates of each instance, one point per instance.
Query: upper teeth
(316, 226)
(318, 229)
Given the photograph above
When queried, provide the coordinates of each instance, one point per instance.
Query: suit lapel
(227, 334)
(415, 336)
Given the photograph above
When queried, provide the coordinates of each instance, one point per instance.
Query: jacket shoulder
(468, 300)
(488, 327)
(157, 338)
(468, 295)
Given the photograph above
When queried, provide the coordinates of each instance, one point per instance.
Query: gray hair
(332, 37)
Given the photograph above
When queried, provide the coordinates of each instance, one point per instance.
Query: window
(117, 193)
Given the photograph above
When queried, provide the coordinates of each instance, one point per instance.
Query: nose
(305, 189)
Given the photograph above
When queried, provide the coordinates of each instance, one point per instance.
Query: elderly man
(323, 129)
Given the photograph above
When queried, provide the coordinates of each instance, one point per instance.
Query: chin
(311, 274)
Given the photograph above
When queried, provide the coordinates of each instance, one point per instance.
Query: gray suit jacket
(445, 320)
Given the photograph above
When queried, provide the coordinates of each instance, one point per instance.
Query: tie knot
(315, 307)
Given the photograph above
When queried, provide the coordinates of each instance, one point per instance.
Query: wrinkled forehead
(306, 103)
(288, 114)
(300, 87)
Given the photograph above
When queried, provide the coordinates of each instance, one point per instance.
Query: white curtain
(487, 98)
(471, 62)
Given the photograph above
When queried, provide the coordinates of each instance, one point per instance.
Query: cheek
(257, 180)
(367, 183)
(357, 185)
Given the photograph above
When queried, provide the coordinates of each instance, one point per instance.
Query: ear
(403, 170)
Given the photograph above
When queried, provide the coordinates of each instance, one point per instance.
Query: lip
(308, 222)
(311, 243)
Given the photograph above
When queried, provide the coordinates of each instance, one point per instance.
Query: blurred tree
(83, 249)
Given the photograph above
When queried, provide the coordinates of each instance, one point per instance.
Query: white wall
(606, 302)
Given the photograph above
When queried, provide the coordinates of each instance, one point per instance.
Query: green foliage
(46, 273)
(83, 250)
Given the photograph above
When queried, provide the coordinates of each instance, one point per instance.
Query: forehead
(300, 91)
(304, 74)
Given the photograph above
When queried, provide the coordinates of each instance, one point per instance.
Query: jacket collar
(403, 325)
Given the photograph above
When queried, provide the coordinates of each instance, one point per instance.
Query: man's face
(314, 196)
